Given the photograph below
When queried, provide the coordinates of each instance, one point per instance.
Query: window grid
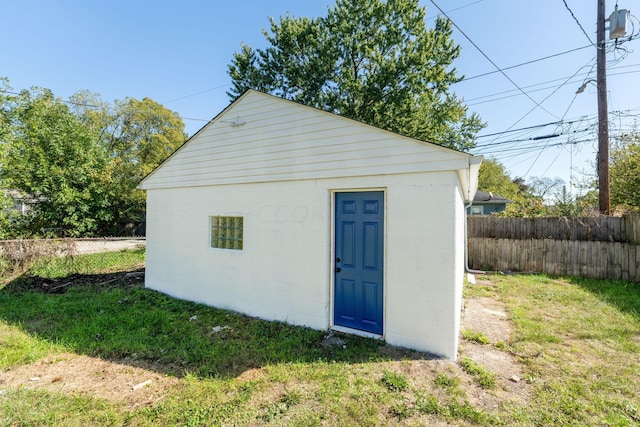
(227, 232)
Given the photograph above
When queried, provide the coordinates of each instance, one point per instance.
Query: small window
(227, 232)
(477, 210)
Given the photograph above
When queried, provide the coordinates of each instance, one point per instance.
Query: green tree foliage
(137, 136)
(565, 205)
(624, 172)
(369, 60)
(494, 178)
(50, 156)
(80, 161)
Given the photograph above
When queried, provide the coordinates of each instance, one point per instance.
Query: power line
(519, 151)
(525, 63)
(193, 119)
(519, 129)
(547, 97)
(489, 59)
(533, 138)
(458, 8)
(559, 122)
(563, 116)
(618, 113)
(578, 22)
(470, 102)
(196, 93)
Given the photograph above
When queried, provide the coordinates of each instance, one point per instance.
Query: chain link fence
(58, 257)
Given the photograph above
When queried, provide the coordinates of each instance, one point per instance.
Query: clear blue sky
(176, 53)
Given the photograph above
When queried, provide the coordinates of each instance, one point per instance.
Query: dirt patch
(490, 317)
(82, 375)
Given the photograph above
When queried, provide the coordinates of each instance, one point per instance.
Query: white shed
(289, 213)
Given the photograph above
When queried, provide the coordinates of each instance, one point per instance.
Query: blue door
(359, 250)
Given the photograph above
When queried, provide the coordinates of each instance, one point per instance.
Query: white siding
(280, 140)
(284, 271)
(277, 164)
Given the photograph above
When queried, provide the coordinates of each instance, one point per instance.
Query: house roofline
(472, 158)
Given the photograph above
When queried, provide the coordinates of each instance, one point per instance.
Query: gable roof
(264, 138)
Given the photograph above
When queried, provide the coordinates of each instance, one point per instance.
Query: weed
(394, 381)
(453, 410)
(429, 404)
(400, 411)
(501, 345)
(482, 377)
(446, 381)
(478, 337)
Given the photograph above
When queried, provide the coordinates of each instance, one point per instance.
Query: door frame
(332, 262)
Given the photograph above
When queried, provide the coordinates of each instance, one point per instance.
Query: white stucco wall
(284, 271)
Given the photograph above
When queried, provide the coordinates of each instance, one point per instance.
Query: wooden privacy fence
(602, 248)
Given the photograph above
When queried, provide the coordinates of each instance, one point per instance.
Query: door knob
(337, 269)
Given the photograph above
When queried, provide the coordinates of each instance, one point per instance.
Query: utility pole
(603, 116)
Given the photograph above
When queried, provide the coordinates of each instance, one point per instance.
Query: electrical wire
(196, 93)
(538, 105)
(568, 128)
(513, 92)
(549, 95)
(591, 126)
(516, 130)
(457, 8)
(524, 63)
(578, 22)
(511, 141)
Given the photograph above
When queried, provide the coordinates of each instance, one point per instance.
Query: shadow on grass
(625, 296)
(112, 316)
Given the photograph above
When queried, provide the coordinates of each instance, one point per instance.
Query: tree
(49, 155)
(370, 60)
(566, 206)
(81, 160)
(494, 178)
(624, 173)
(545, 188)
(137, 135)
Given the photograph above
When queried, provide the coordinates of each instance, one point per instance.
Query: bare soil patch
(490, 317)
(82, 375)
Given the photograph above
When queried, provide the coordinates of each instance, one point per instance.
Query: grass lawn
(97, 348)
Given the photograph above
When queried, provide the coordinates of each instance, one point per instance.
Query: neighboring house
(486, 203)
(289, 213)
(21, 202)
